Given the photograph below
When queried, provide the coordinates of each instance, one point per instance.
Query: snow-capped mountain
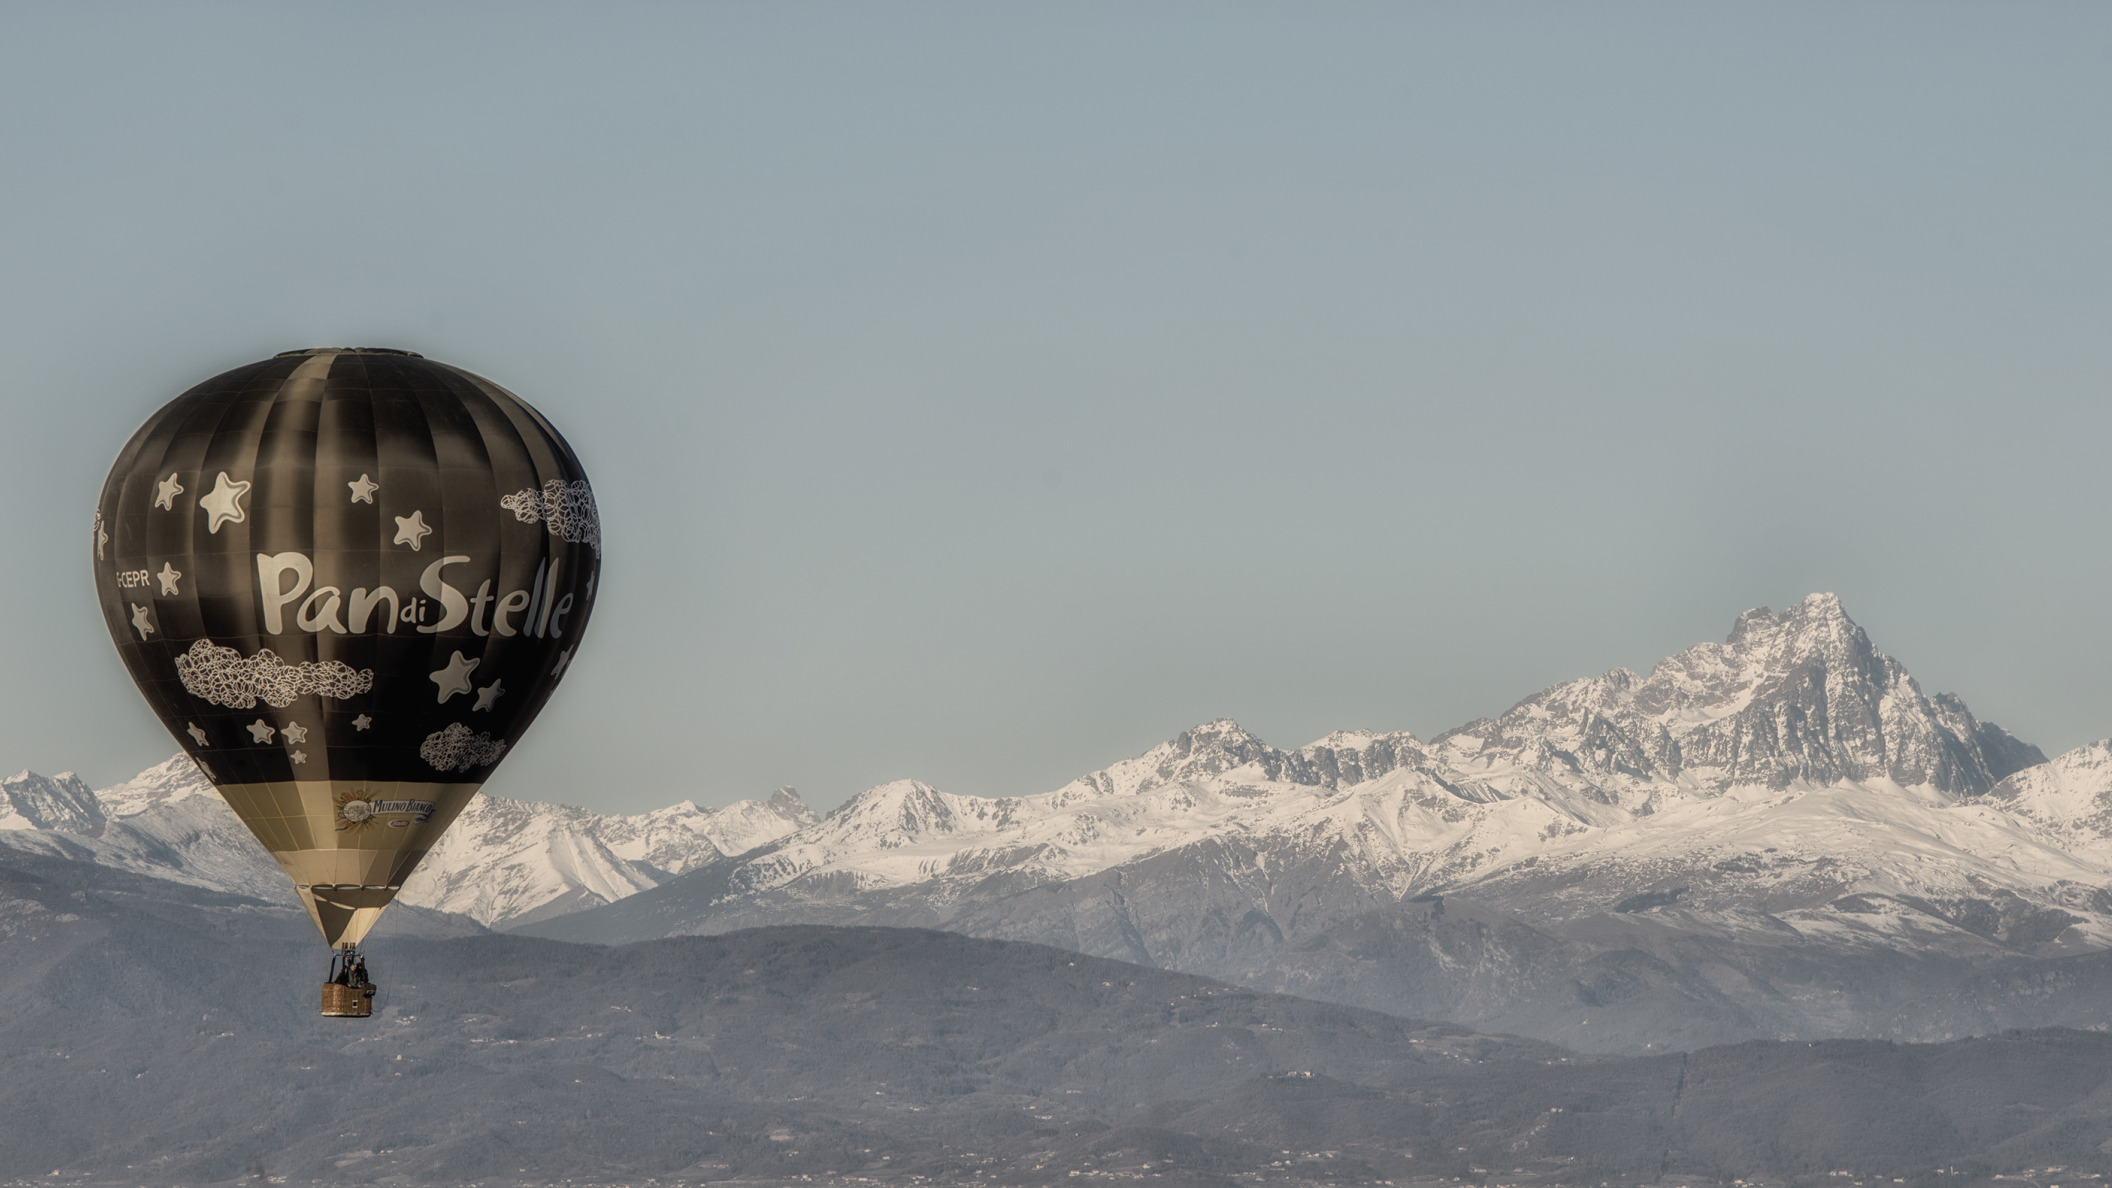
(503, 861)
(1795, 729)
(680, 837)
(63, 801)
(2068, 799)
(1789, 789)
(1802, 698)
(509, 862)
(165, 822)
(1722, 840)
(172, 781)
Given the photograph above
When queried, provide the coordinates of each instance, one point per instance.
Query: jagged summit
(898, 813)
(1793, 762)
(173, 779)
(1794, 724)
(1802, 697)
(61, 802)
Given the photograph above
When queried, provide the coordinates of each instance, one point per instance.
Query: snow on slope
(1214, 780)
(30, 801)
(680, 837)
(171, 781)
(509, 861)
(1799, 698)
(167, 822)
(1789, 766)
(503, 861)
(2070, 798)
(1411, 831)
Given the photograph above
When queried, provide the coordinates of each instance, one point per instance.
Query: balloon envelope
(347, 581)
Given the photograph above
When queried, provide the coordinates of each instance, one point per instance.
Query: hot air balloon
(347, 580)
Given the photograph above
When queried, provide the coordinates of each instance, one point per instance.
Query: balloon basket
(348, 994)
(347, 1002)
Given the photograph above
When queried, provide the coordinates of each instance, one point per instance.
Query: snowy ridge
(1212, 780)
(1754, 782)
(509, 862)
(1800, 698)
(167, 822)
(1760, 782)
(502, 862)
(2068, 798)
(168, 782)
(32, 801)
(676, 839)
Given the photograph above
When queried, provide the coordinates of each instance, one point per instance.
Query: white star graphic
(191, 728)
(168, 575)
(260, 731)
(295, 732)
(166, 491)
(563, 658)
(299, 756)
(487, 695)
(362, 722)
(363, 489)
(224, 503)
(411, 530)
(139, 621)
(455, 677)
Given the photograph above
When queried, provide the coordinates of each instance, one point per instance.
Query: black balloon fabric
(347, 565)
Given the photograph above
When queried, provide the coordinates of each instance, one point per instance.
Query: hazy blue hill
(153, 1033)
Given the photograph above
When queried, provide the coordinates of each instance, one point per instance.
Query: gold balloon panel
(348, 845)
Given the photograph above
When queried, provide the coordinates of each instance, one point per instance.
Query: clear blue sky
(983, 393)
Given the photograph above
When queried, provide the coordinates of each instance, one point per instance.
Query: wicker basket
(347, 1002)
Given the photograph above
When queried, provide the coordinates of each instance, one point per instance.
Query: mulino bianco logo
(358, 811)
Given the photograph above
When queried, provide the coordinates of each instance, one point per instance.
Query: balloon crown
(349, 351)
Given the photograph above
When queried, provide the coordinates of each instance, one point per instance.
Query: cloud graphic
(221, 676)
(567, 508)
(456, 749)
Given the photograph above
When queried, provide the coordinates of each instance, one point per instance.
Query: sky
(986, 393)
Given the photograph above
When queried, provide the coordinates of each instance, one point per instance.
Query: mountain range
(165, 1033)
(1778, 835)
(503, 862)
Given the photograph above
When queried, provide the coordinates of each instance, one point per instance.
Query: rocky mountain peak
(174, 779)
(1210, 749)
(786, 802)
(1198, 753)
(1814, 614)
(62, 802)
(895, 813)
(1816, 630)
(1797, 697)
(1799, 701)
(2071, 793)
(1764, 656)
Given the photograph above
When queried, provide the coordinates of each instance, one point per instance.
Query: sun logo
(355, 811)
